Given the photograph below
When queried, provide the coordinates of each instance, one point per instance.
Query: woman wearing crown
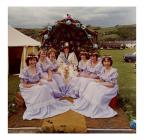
(96, 97)
(89, 71)
(48, 65)
(37, 93)
(67, 58)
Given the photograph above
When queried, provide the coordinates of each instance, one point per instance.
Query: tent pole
(33, 49)
(23, 57)
(25, 53)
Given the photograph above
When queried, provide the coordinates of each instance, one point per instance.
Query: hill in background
(118, 32)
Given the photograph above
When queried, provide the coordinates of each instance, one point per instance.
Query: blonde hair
(42, 49)
(51, 50)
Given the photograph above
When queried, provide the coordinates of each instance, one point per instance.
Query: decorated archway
(69, 30)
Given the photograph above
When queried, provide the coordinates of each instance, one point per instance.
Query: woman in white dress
(67, 58)
(43, 63)
(95, 100)
(46, 67)
(53, 66)
(39, 102)
(93, 69)
(82, 66)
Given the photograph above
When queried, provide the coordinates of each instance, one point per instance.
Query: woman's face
(32, 62)
(66, 50)
(83, 57)
(52, 55)
(43, 54)
(106, 63)
(93, 57)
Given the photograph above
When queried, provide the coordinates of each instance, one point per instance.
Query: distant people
(66, 57)
(37, 94)
(96, 97)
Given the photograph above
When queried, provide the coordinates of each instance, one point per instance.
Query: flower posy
(95, 46)
(83, 27)
(46, 36)
(78, 25)
(68, 22)
(49, 28)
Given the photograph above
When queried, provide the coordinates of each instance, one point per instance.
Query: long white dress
(96, 97)
(82, 66)
(53, 66)
(70, 59)
(48, 65)
(39, 102)
(78, 85)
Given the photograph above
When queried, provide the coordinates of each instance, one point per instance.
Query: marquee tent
(19, 45)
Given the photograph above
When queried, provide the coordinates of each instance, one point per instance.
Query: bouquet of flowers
(67, 71)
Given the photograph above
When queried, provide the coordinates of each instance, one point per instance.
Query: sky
(39, 17)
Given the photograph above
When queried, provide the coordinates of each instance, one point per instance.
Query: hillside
(118, 32)
(33, 33)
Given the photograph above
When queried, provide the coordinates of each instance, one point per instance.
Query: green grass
(13, 87)
(126, 80)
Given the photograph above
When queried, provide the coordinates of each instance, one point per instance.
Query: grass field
(126, 80)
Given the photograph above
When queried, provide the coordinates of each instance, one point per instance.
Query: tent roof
(16, 38)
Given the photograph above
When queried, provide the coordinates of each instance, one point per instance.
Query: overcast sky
(37, 17)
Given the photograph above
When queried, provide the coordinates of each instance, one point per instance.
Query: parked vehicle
(130, 57)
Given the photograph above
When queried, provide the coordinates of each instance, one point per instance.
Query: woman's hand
(99, 80)
(40, 83)
(78, 74)
(26, 85)
(86, 75)
(49, 75)
(49, 79)
(108, 84)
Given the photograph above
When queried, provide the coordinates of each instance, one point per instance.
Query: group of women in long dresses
(46, 81)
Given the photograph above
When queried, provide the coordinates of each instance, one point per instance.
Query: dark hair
(69, 46)
(94, 54)
(29, 57)
(109, 58)
(83, 52)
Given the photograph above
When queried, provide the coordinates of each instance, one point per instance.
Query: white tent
(16, 40)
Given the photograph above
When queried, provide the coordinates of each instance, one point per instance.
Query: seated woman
(94, 66)
(93, 69)
(95, 100)
(45, 65)
(37, 95)
(56, 76)
(82, 66)
(67, 58)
